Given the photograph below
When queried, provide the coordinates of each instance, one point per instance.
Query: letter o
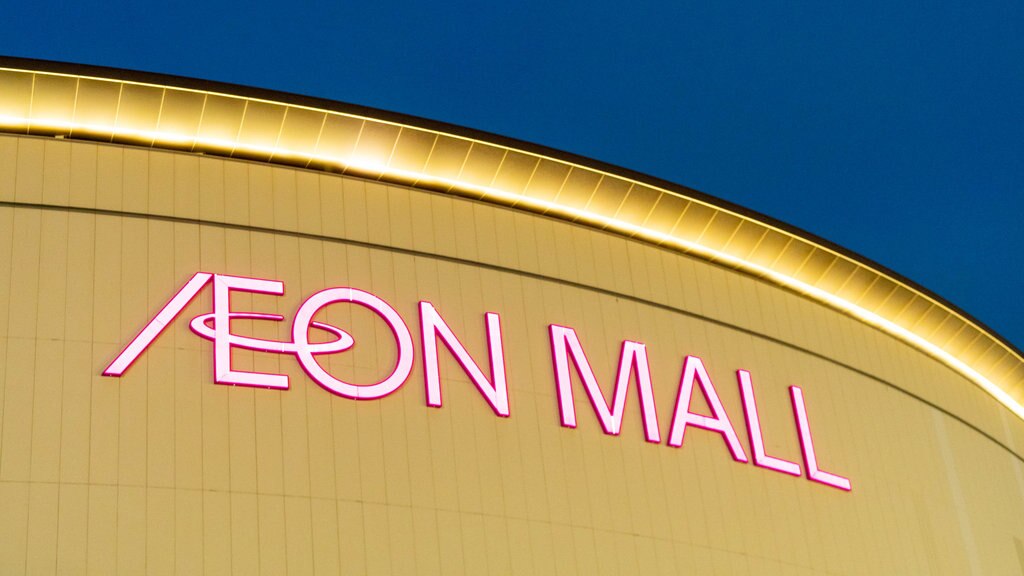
(304, 352)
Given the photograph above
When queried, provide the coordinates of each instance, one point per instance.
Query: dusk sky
(893, 129)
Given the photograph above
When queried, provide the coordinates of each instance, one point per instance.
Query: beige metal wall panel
(96, 106)
(163, 471)
(53, 97)
(139, 109)
(221, 120)
(181, 113)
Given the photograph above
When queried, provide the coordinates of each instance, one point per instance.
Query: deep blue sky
(895, 129)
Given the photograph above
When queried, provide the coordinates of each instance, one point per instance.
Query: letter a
(693, 368)
(163, 318)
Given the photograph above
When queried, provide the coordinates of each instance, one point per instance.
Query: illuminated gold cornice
(162, 112)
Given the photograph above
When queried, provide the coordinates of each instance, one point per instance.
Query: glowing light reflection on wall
(368, 167)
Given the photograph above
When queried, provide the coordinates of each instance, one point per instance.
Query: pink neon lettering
(693, 368)
(220, 332)
(432, 326)
(224, 340)
(201, 326)
(632, 358)
(754, 430)
(305, 351)
(156, 326)
(807, 445)
(565, 344)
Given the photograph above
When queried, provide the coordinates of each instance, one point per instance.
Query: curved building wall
(162, 471)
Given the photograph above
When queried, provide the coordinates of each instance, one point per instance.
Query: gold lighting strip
(164, 116)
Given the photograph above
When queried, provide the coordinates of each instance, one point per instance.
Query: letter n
(432, 326)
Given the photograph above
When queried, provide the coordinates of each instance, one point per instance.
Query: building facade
(255, 333)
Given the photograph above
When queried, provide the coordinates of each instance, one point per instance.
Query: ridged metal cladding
(52, 103)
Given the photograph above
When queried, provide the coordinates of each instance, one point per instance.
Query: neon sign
(566, 351)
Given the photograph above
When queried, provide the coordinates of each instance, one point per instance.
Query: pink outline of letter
(432, 326)
(564, 342)
(304, 351)
(807, 445)
(156, 326)
(754, 430)
(693, 367)
(222, 341)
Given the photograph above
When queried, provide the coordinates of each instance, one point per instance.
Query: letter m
(632, 360)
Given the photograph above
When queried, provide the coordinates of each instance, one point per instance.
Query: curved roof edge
(153, 110)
